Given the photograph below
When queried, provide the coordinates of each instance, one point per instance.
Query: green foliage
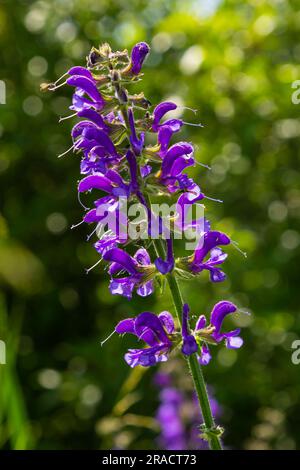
(235, 65)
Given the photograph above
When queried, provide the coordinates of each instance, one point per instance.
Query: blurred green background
(235, 62)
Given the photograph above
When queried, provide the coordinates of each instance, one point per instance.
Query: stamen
(91, 234)
(53, 86)
(92, 267)
(81, 203)
(65, 153)
(106, 339)
(203, 164)
(193, 124)
(245, 312)
(189, 109)
(60, 78)
(212, 199)
(67, 117)
(77, 225)
(236, 246)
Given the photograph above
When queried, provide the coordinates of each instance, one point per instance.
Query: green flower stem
(194, 366)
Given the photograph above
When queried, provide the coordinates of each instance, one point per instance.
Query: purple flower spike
(189, 345)
(138, 55)
(152, 330)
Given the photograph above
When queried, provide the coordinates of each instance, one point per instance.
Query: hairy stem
(194, 366)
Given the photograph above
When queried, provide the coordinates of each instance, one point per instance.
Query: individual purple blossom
(112, 184)
(207, 245)
(139, 268)
(82, 79)
(176, 159)
(108, 241)
(165, 133)
(138, 55)
(159, 111)
(154, 331)
(231, 338)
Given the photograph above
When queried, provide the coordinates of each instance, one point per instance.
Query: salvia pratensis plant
(127, 157)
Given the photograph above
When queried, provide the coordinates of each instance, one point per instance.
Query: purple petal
(88, 86)
(168, 321)
(145, 170)
(138, 55)
(234, 342)
(94, 117)
(82, 71)
(189, 345)
(125, 326)
(107, 243)
(151, 321)
(145, 357)
(122, 286)
(136, 143)
(145, 289)
(121, 257)
(94, 133)
(160, 111)
(218, 313)
(95, 182)
(205, 356)
(91, 217)
(209, 241)
(79, 127)
(201, 322)
(142, 257)
(185, 316)
(216, 275)
(177, 150)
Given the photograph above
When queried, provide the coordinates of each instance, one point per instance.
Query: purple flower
(138, 55)
(176, 159)
(168, 265)
(178, 414)
(165, 133)
(159, 111)
(208, 244)
(136, 143)
(113, 184)
(154, 331)
(173, 435)
(85, 84)
(213, 331)
(108, 241)
(139, 268)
